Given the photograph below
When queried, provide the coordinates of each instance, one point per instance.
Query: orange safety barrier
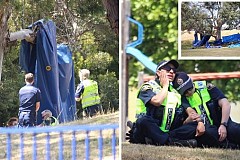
(205, 76)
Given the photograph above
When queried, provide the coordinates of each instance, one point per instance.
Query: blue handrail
(141, 57)
(140, 33)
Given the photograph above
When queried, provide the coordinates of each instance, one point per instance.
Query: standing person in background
(29, 98)
(87, 91)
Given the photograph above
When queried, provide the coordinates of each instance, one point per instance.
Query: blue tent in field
(53, 69)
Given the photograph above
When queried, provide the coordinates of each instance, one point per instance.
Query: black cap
(182, 82)
(163, 63)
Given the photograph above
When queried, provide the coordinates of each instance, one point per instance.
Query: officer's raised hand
(164, 81)
(158, 99)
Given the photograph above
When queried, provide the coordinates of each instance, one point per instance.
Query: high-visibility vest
(198, 102)
(50, 121)
(90, 94)
(170, 103)
(55, 121)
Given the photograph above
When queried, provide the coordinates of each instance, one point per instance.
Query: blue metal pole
(9, 155)
(34, 146)
(21, 146)
(74, 157)
(48, 146)
(100, 145)
(114, 144)
(87, 150)
(61, 146)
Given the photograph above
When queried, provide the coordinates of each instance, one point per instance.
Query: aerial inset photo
(209, 30)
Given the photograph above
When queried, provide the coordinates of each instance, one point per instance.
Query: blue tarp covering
(231, 38)
(53, 68)
(234, 45)
(202, 42)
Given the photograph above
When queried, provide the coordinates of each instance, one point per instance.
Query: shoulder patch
(210, 86)
(146, 87)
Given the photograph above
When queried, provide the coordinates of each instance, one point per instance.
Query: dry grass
(67, 141)
(148, 152)
(206, 53)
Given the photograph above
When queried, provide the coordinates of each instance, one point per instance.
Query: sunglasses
(168, 69)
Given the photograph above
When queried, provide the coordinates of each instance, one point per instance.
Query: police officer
(87, 91)
(29, 97)
(48, 119)
(161, 101)
(209, 102)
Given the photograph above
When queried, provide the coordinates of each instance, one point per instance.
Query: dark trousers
(26, 119)
(148, 127)
(188, 131)
(92, 110)
(233, 132)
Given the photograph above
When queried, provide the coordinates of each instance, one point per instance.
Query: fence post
(100, 145)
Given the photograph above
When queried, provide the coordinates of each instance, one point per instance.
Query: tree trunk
(112, 8)
(4, 16)
(219, 36)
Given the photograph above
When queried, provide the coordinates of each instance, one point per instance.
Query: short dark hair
(29, 77)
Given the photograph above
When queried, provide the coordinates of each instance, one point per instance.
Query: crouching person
(48, 119)
(209, 102)
(161, 101)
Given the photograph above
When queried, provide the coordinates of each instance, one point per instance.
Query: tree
(112, 8)
(80, 24)
(4, 16)
(159, 19)
(209, 17)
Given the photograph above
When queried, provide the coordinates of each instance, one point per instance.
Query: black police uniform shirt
(28, 97)
(215, 94)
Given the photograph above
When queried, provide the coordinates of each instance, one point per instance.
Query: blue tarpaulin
(54, 72)
(231, 38)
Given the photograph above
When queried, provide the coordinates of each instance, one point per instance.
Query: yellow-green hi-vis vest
(55, 121)
(200, 104)
(90, 94)
(170, 103)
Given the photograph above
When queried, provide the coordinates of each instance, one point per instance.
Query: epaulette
(146, 87)
(210, 86)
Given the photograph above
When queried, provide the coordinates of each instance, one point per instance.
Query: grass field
(67, 140)
(149, 152)
(207, 53)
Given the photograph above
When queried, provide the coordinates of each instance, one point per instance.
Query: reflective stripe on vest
(170, 103)
(90, 95)
(200, 104)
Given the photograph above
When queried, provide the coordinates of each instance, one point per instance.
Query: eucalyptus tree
(86, 26)
(209, 17)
